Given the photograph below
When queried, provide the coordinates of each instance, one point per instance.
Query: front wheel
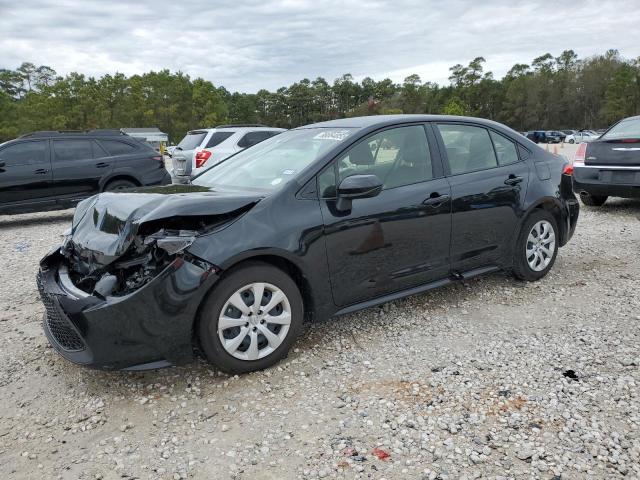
(572, 141)
(537, 246)
(250, 319)
(593, 200)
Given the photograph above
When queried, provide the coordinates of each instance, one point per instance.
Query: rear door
(219, 147)
(489, 185)
(78, 165)
(25, 172)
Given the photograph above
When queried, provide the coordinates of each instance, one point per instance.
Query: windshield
(629, 128)
(273, 162)
(192, 140)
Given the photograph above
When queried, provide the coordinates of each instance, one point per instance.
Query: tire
(119, 184)
(593, 200)
(252, 351)
(528, 252)
(572, 141)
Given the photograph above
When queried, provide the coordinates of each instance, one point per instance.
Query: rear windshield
(629, 128)
(192, 140)
(217, 138)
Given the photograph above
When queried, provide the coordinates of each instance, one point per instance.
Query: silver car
(202, 148)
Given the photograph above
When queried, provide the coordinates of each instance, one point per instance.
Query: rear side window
(253, 138)
(192, 140)
(627, 129)
(115, 147)
(25, 153)
(505, 149)
(217, 138)
(65, 150)
(469, 148)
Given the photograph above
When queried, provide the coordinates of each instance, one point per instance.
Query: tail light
(578, 159)
(157, 158)
(202, 157)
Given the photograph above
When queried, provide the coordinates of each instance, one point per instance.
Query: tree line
(550, 93)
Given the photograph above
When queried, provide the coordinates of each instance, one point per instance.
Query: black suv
(51, 170)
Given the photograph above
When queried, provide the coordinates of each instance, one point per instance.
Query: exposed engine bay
(114, 249)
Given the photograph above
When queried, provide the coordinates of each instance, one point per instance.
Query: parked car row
(272, 227)
(560, 136)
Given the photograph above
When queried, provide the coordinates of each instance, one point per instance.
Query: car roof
(235, 128)
(104, 132)
(383, 120)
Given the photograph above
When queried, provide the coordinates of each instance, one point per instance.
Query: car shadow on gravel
(27, 220)
(617, 206)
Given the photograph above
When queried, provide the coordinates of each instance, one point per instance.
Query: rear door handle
(41, 171)
(513, 180)
(436, 200)
(102, 165)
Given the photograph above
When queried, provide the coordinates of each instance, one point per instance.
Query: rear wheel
(119, 184)
(537, 246)
(593, 200)
(572, 141)
(250, 319)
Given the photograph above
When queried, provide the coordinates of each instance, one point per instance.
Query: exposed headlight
(172, 242)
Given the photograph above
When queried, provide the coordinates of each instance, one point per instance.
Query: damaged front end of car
(122, 291)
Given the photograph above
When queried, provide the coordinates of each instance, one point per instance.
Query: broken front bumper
(149, 328)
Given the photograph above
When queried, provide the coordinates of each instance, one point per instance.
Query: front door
(397, 239)
(488, 185)
(25, 173)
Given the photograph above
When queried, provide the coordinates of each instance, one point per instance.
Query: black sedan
(318, 221)
(609, 166)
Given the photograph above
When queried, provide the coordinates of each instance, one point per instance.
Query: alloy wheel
(541, 245)
(254, 321)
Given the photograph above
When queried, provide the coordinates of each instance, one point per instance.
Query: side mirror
(357, 186)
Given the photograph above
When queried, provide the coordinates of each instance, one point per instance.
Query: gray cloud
(246, 45)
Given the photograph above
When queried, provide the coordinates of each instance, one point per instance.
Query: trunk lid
(619, 152)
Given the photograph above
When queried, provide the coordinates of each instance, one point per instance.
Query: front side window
(469, 148)
(275, 161)
(505, 149)
(65, 150)
(398, 156)
(25, 153)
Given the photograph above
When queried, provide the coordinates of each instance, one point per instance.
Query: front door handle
(41, 171)
(102, 165)
(513, 180)
(435, 200)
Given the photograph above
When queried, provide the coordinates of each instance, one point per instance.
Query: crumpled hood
(105, 225)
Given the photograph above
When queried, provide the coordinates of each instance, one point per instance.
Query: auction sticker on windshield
(336, 135)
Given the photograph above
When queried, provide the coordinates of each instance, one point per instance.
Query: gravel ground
(492, 378)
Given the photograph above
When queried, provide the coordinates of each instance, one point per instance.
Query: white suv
(200, 149)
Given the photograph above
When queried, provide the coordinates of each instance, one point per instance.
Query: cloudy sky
(246, 45)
